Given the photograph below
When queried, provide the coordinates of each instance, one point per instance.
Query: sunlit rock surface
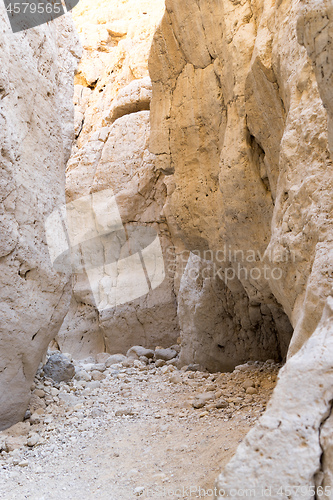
(36, 89)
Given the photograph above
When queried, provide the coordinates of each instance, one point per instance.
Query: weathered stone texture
(239, 125)
(284, 451)
(36, 123)
(112, 103)
(220, 326)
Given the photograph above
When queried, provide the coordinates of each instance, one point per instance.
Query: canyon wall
(241, 124)
(232, 174)
(36, 115)
(315, 32)
(226, 155)
(112, 129)
(291, 447)
(239, 127)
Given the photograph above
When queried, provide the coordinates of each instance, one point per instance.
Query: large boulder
(59, 368)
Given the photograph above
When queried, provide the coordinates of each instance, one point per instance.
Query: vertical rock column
(36, 124)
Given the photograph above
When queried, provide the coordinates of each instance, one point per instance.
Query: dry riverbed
(138, 431)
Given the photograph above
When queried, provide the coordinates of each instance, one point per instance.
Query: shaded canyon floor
(140, 431)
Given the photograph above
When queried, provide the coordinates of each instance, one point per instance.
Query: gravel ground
(131, 431)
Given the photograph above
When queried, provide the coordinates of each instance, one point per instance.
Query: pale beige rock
(17, 430)
(315, 31)
(133, 98)
(116, 44)
(80, 332)
(325, 477)
(112, 131)
(220, 327)
(239, 123)
(128, 168)
(36, 123)
(285, 448)
(102, 357)
(125, 166)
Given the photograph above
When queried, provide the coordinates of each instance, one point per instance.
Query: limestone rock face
(116, 39)
(36, 123)
(315, 32)
(112, 112)
(285, 449)
(220, 327)
(239, 125)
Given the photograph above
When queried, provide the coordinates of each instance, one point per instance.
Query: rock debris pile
(110, 399)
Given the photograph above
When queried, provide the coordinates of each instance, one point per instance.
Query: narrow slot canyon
(166, 250)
